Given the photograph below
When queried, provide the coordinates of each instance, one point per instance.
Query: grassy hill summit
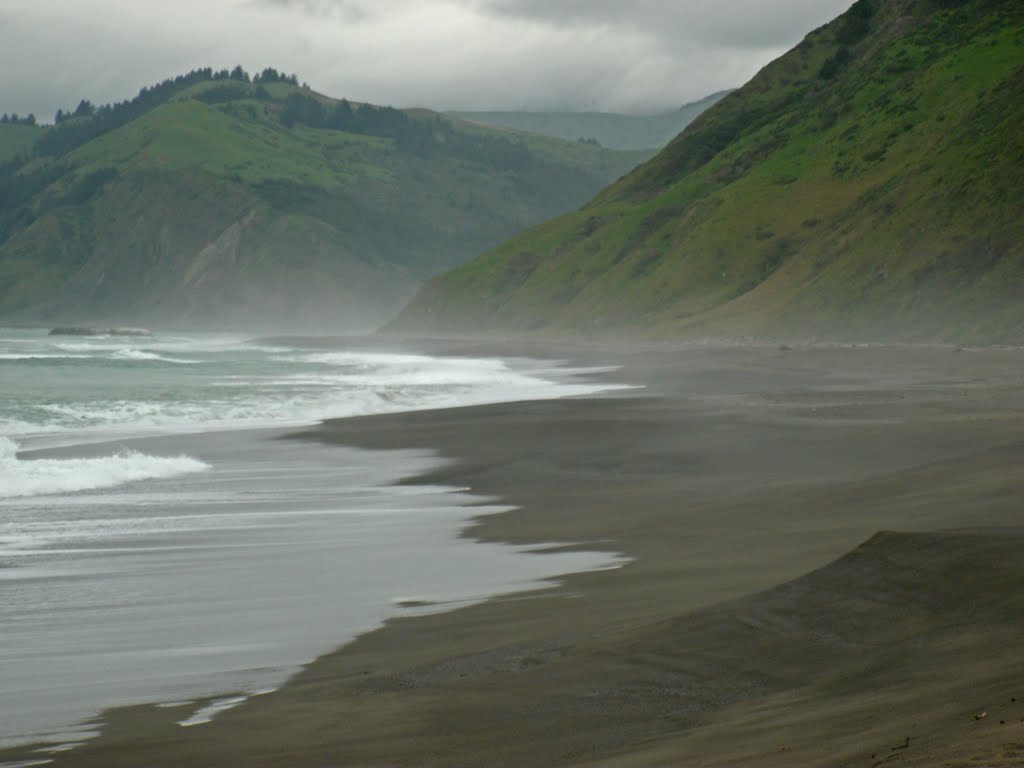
(224, 199)
(608, 129)
(869, 184)
(17, 136)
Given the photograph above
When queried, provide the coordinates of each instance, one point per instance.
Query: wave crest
(45, 477)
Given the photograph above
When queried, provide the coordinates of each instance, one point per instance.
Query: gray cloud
(707, 23)
(471, 54)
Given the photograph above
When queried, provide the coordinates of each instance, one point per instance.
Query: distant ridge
(869, 184)
(217, 198)
(609, 129)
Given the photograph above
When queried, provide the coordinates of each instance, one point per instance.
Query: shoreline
(698, 481)
(222, 453)
(439, 514)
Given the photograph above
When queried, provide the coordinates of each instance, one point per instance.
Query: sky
(607, 55)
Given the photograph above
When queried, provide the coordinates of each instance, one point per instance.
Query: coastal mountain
(608, 129)
(867, 184)
(222, 199)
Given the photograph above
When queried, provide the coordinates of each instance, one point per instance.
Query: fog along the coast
(514, 384)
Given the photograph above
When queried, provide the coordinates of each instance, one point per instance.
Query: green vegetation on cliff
(223, 199)
(867, 184)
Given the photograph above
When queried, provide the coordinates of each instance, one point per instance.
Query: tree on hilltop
(271, 75)
(15, 119)
(85, 108)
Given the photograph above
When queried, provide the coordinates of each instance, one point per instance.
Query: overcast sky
(617, 55)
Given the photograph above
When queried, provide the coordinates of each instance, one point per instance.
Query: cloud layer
(646, 55)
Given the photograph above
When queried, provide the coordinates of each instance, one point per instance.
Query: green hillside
(608, 129)
(216, 198)
(867, 184)
(17, 139)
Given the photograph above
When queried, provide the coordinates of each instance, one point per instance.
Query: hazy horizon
(457, 55)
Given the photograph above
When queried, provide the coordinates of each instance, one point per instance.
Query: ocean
(160, 544)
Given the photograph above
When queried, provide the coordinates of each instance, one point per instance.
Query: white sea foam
(120, 353)
(206, 714)
(443, 368)
(8, 449)
(40, 356)
(40, 477)
(131, 353)
(166, 344)
(300, 398)
(184, 384)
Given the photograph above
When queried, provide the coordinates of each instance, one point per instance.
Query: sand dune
(889, 653)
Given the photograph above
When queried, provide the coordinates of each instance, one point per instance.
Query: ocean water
(94, 387)
(160, 543)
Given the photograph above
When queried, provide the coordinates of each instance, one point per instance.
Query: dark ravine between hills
(219, 199)
(867, 184)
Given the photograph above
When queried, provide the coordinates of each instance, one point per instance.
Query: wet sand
(763, 621)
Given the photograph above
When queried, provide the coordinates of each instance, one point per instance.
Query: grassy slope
(352, 212)
(15, 139)
(241, 140)
(884, 201)
(609, 129)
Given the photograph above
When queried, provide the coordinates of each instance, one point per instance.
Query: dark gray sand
(764, 620)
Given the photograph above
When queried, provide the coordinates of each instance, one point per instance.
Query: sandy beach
(827, 568)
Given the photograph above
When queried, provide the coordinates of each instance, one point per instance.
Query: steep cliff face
(867, 184)
(232, 203)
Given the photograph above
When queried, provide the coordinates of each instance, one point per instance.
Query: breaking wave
(44, 477)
